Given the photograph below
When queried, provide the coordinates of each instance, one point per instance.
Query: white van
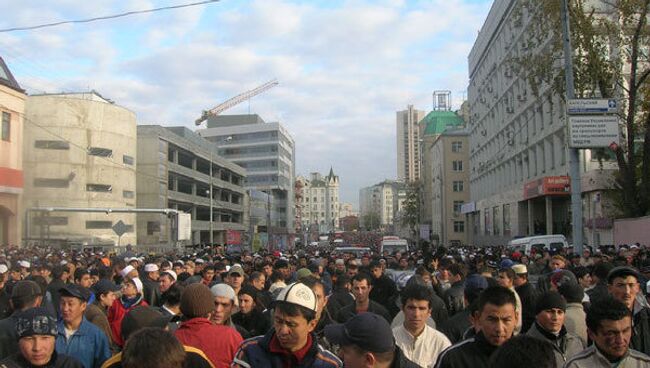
(539, 243)
(393, 244)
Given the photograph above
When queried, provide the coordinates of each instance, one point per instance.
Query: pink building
(12, 107)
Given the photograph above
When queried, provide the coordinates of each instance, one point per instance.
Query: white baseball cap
(171, 273)
(138, 284)
(3, 268)
(24, 264)
(299, 294)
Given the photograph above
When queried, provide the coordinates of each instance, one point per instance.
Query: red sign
(233, 237)
(549, 185)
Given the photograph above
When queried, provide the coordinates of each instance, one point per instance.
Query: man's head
(457, 272)
(131, 287)
(557, 262)
(416, 305)
(208, 273)
(247, 299)
(506, 277)
(197, 301)
(129, 272)
(224, 301)
(153, 347)
(524, 351)
(549, 311)
(521, 275)
(166, 280)
(258, 280)
(82, 277)
(623, 285)
(366, 340)
(36, 330)
(282, 266)
(26, 294)
(361, 287)
(73, 302)
(105, 292)
(609, 326)
(294, 315)
(236, 277)
(317, 286)
(497, 317)
(152, 271)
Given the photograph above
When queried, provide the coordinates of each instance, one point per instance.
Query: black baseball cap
(369, 331)
(622, 271)
(103, 286)
(75, 291)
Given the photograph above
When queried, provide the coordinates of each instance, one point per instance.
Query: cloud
(344, 67)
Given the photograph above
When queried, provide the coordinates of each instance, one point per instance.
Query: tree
(411, 209)
(371, 221)
(611, 44)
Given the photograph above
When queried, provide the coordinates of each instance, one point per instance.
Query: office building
(12, 107)
(267, 152)
(178, 169)
(382, 203)
(518, 144)
(79, 152)
(408, 144)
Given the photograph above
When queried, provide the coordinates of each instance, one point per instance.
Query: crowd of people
(461, 307)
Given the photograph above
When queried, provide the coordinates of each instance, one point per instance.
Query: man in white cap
(290, 342)
(151, 287)
(129, 272)
(224, 308)
(166, 280)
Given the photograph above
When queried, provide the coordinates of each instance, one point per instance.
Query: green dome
(436, 122)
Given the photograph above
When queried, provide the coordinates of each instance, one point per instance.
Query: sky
(344, 67)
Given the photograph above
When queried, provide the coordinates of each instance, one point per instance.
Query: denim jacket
(88, 344)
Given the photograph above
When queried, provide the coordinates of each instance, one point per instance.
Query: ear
(370, 359)
(591, 334)
(311, 325)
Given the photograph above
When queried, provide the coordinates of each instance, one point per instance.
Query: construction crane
(236, 100)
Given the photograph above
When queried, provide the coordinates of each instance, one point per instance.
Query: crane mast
(236, 100)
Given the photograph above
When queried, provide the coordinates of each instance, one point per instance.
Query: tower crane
(236, 100)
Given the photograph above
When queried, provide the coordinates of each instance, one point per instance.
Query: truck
(393, 244)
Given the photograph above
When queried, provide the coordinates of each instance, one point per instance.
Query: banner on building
(549, 185)
(425, 231)
(233, 237)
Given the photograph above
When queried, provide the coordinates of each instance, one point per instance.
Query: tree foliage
(371, 221)
(410, 216)
(611, 41)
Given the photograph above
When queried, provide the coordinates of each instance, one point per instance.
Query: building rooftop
(436, 122)
(7, 79)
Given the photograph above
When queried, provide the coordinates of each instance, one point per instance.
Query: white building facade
(518, 145)
(320, 202)
(383, 202)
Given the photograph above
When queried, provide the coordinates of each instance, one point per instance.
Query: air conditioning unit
(510, 110)
(489, 89)
(508, 73)
(521, 97)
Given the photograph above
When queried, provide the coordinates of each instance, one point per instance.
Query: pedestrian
(131, 298)
(361, 288)
(150, 285)
(224, 302)
(497, 320)
(549, 326)
(26, 294)
(366, 340)
(527, 295)
(419, 342)
(97, 311)
(290, 342)
(76, 336)
(36, 331)
(609, 324)
(218, 342)
(524, 351)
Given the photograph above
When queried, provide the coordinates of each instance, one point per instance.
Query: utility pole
(574, 153)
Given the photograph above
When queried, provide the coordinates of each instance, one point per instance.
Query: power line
(106, 17)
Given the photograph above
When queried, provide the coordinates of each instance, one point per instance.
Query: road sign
(591, 106)
(593, 131)
(120, 228)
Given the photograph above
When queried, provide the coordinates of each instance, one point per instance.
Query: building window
(457, 165)
(153, 227)
(128, 194)
(99, 188)
(128, 160)
(100, 152)
(99, 224)
(458, 186)
(459, 226)
(6, 126)
(53, 145)
(51, 183)
(457, 206)
(456, 147)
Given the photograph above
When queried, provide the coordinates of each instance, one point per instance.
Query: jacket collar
(538, 331)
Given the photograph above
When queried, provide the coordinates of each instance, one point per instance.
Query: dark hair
(458, 269)
(172, 296)
(104, 272)
(524, 351)
(206, 269)
(606, 308)
(276, 276)
(416, 291)
(509, 272)
(153, 347)
(80, 272)
(294, 310)
(421, 270)
(496, 295)
(601, 270)
(385, 357)
(374, 264)
(341, 281)
(362, 276)
(312, 281)
(42, 283)
(254, 276)
(580, 272)
(58, 271)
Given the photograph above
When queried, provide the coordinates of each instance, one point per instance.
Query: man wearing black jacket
(384, 290)
(361, 289)
(527, 294)
(497, 320)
